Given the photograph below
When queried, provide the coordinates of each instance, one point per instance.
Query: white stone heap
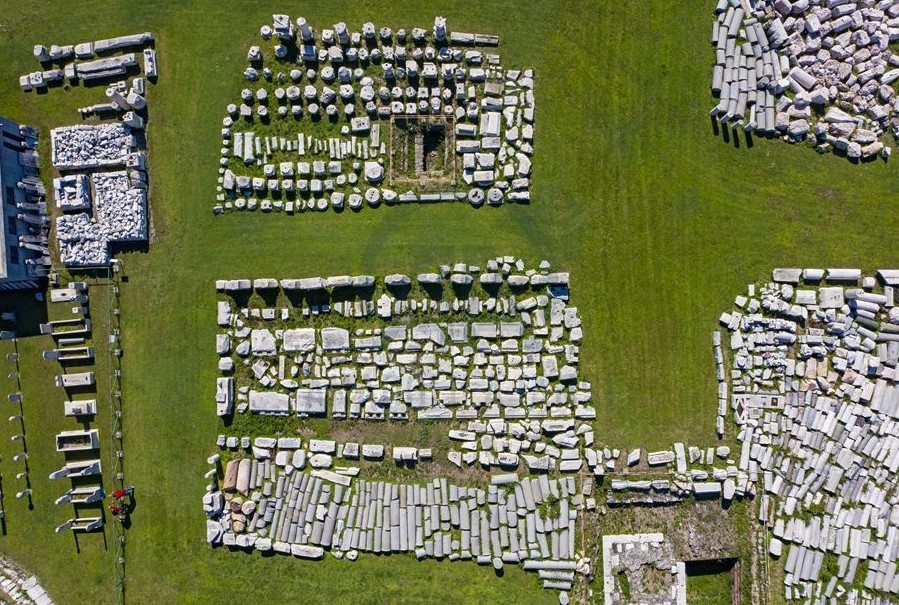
(17, 586)
(72, 192)
(813, 358)
(119, 215)
(809, 68)
(492, 353)
(121, 205)
(90, 146)
(86, 70)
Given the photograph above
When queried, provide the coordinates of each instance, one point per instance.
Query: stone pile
(103, 208)
(38, 80)
(492, 352)
(359, 84)
(16, 586)
(91, 146)
(72, 192)
(87, 70)
(271, 505)
(124, 102)
(119, 215)
(721, 376)
(104, 68)
(819, 70)
(813, 370)
(121, 204)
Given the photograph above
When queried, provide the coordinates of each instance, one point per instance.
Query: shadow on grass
(400, 292)
(29, 313)
(732, 134)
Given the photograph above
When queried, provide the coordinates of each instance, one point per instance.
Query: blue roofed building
(24, 253)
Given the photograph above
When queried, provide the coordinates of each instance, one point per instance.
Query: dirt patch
(826, 194)
(696, 530)
(422, 151)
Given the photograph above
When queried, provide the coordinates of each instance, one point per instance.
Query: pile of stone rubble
(365, 86)
(18, 587)
(689, 472)
(72, 192)
(119, 215)
(89, 68)
(809, 69)
(120, 203)
(813, 366)
(91, 145)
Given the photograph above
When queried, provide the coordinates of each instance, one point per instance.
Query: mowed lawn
(660, 222)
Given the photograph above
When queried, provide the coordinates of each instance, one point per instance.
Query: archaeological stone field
(352, 119)
(297, 306)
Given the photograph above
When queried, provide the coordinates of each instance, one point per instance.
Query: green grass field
(710, 589)
(660, 222)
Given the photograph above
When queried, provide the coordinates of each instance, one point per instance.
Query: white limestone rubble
(820, 70)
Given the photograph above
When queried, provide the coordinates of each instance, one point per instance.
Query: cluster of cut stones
(17, 586)
(271, 505)
(799, 68)
(813, 357)
(512, 380)
(89, 68)
(501, 370)
(322, 453)
(692, 472)
(630, 555)
(72, 192)
(354, 83)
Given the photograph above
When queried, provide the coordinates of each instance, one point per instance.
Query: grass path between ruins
(660, 222)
